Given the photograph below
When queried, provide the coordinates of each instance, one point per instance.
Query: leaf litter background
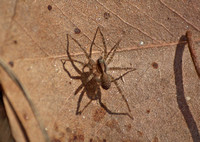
(33, 37)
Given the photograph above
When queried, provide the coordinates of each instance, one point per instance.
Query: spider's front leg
(121, 76)
(70, 59)
(104, 44)
(69, 74)
(91, 65)
(111, 53)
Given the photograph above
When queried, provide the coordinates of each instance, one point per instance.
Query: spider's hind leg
(120, 77)
(112, 113)
(120, 91)
(79, 102)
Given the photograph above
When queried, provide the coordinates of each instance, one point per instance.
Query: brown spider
(97, 75)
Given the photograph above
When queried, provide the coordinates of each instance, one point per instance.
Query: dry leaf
(33, 41)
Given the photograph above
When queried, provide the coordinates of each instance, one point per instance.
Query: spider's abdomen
(105, 81)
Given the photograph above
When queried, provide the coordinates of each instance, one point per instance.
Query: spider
(97, 76)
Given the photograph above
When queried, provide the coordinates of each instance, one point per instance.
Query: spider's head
(101, 65)
(105, 81)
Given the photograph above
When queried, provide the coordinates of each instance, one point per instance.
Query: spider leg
(119, 68)
(120, 77)
(112, 53)
(78, 89)
(90, 55)
(120, 91)
(85, 52)
(83, 64)
(79, 62)
(69, 56)
(110, 112)
(73, 77)
(104, 44)
(85, 107)
(79, 102)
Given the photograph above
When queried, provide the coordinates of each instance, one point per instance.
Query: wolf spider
(97, 75)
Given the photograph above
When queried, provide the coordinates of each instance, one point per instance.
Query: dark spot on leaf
(104, 140)
(155, 65)
(56, 127)
(77, 31)
(11, 63)
(113, 124)
(106, 15)
(75, 137)
(61, 134)
(123, 32)
(78, 137)
(25, 116)
(148, 111)
(49, 7)
(68, 130)
(90, 140)
(15, 41)
(140, 133)
(128, 127)
(155, 139)
(55, 140)
(99, 114)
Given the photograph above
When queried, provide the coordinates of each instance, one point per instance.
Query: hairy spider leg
(79, 102)
(85, 107)
(71, 76)
(104, 44)
(110, 112)
(78, 89)
(112, 53)
(79, 62)
(90, 55)
(69, 56)
(120, 91)
(120, 68)
(85, 52)
(120, 77)
(90, 61)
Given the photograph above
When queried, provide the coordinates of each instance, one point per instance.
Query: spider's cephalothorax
(97, 75)
(104, 78)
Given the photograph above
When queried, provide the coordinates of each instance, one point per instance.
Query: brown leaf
(164, 104)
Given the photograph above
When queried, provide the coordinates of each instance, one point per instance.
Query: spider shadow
(182, 103)
(91, 82)
(88, 85)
